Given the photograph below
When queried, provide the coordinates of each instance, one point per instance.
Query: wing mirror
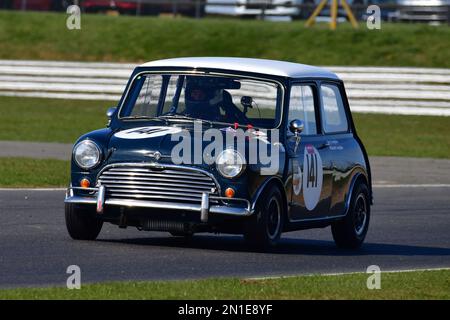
(296, 126)
(109, 113)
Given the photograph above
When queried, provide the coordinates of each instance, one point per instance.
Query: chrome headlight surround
(86, 154)
(230, 163)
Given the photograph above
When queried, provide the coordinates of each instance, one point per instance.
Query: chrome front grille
(168, 184)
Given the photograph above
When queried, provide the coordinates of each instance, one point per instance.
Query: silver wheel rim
(360, 214)
(274, 218)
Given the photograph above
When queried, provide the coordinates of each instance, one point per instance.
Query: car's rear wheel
(264, 228)
(81, 222)
(351, 231)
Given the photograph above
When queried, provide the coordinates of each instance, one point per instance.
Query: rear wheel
(351, 231)
(264, 228)
(81, 222)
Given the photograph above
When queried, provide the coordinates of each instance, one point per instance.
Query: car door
(310, 163)
(339, 141)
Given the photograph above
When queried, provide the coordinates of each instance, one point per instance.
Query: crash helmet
(203, 102)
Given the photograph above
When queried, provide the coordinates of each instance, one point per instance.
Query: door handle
(324, 145)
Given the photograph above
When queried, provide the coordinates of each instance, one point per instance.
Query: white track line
(435, 185)
(32, 189)
(341, 273)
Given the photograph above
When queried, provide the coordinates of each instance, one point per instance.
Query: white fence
(411, 91)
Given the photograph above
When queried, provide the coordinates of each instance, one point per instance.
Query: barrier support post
(312, 19)
(349, 12)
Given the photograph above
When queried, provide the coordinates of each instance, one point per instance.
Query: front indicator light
(229, 192)
(85, 183)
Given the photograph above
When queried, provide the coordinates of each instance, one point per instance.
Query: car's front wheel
(264, 228)
(81, 222)
(351, 231)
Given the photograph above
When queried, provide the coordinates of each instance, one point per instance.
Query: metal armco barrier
(409, 91)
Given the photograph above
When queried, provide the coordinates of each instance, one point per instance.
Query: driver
(203, 103)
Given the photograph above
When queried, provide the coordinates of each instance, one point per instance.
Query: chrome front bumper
(204, 209)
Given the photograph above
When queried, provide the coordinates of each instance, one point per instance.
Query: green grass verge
(404, 136)
(102, 38)
(29, 119)
(402, 285)
(54, 120)
(21, 172)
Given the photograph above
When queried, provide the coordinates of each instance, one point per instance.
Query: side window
(333, 112)
(301, 106)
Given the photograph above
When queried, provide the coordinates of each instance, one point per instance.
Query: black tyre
(264, 228)
(351, 231)
(81, 223)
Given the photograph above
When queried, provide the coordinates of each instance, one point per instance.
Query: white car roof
(263, 66)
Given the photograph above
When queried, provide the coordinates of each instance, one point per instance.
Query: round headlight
(230, 163)
(86, 154)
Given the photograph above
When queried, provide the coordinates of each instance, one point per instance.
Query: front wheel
(351, 231)
(264, 228)
(81, 223)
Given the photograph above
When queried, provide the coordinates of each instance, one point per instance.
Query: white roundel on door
(312, 177)
(147, 132)
(297, 178)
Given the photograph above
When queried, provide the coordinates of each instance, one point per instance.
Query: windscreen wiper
(144, 118)
(184, 117)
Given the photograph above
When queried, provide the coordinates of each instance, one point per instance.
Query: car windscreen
(223, 99)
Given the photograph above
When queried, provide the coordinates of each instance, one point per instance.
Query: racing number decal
(312, 177)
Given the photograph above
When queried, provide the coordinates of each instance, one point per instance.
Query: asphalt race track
(409, 229)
